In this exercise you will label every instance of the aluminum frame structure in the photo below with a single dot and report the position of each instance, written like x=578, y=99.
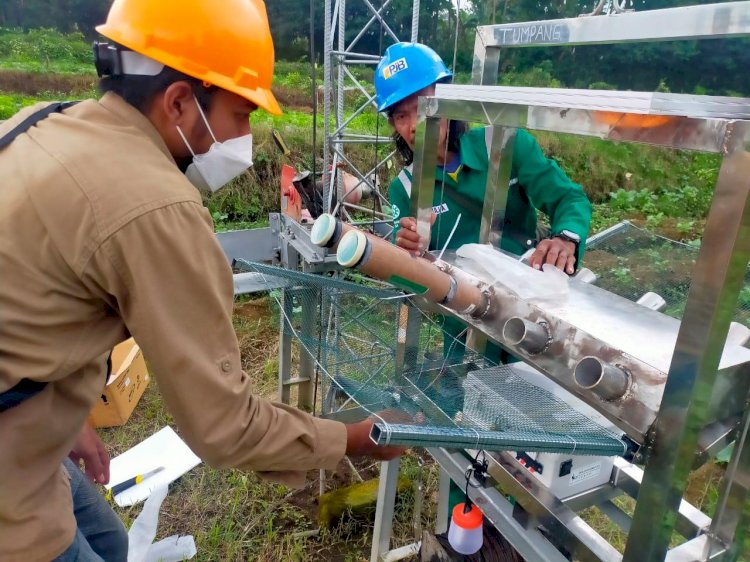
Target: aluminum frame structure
x=720, y=125
x=339, y=56
x=539, y=525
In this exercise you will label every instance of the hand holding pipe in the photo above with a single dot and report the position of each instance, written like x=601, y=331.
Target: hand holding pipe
x=382, y=260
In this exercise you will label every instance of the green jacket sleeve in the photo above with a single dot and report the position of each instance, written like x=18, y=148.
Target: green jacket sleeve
x=550, y=190
x=400, y=203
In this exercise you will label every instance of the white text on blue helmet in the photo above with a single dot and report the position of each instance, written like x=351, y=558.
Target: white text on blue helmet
x=395, y=67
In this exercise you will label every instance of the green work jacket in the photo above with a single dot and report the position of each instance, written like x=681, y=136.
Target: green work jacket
x=536, y=182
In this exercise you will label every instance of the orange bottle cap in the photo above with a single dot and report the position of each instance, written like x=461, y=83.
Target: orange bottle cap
x=470, y=520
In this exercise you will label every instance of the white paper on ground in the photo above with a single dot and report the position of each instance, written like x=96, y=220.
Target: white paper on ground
x=172, y=549
x=164, y=448
x=143, y=531
x=547, y=286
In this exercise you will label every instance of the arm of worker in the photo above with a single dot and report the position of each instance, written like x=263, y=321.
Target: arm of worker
x=168, y=276
x=551, y=191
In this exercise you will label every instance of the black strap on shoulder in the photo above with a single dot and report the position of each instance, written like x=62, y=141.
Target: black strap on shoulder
x=26, y=388
x=32, y=120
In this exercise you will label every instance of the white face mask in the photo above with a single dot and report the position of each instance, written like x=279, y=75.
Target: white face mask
x=223, y=162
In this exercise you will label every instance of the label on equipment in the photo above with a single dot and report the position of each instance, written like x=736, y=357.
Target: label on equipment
x=585, y=473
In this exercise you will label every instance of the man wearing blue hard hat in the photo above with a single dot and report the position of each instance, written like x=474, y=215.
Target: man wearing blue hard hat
x=410, y=70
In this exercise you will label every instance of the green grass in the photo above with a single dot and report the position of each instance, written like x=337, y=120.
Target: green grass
x=45, y=50
x=11, y=104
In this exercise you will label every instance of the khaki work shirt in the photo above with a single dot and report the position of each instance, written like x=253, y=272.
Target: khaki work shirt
x=101, y=236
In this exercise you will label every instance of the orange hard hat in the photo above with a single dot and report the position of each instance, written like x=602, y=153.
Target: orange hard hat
x=225, y=43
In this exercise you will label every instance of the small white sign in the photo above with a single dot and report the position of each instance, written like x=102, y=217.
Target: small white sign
x=585, y=473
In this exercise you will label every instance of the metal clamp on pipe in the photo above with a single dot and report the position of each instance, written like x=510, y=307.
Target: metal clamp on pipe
x=531, y=337
x=608, y=382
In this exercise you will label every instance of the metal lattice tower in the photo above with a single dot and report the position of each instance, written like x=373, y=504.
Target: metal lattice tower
x=338, y=58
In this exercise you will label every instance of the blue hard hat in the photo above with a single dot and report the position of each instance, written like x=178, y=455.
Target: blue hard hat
x=405, y=69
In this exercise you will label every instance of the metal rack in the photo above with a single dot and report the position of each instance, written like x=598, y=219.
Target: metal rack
x=339, y=57
x=710, y=124
x=679, y=421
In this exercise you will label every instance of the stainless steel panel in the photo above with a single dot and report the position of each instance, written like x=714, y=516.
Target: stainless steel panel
x=691, y=22
x=699, y=549
x=733, y=510
x=381, y=533
x=500, y=142
x=486, y=62
x=661, y=130
x=718, y=276
x=690, y=520
x=423, y=170
x=614, y=101
x=594, y=322
x=713, y=438
x=255, y=244
x=616, y=515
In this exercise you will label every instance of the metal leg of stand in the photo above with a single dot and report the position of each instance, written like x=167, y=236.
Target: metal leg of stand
x=285, y=349
x=381, y=535
x=310, y=319
x=444, y=488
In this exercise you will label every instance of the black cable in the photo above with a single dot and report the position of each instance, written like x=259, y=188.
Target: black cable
x=478, y=470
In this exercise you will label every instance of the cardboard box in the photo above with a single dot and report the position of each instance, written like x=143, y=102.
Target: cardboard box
x=126, y=384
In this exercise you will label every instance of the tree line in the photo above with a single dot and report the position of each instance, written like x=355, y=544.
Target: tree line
x=709, y=66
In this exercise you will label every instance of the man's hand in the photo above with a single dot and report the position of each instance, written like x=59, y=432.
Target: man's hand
x=359, y=444
x=555, y=251
x=408, y=239
x=90, y=449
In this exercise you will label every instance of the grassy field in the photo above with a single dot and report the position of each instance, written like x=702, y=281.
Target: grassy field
x=236, y=516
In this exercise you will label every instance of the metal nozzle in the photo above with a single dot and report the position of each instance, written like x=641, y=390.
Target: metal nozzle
x=531, y=337
x=609, y=382
x=653, y=301
x=585, y=275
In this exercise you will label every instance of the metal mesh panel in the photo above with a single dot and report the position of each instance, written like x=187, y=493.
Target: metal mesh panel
x=630, y=262
x=375, y=351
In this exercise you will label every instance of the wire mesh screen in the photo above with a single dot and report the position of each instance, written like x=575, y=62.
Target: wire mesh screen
x=630, y=262
x=374, y=350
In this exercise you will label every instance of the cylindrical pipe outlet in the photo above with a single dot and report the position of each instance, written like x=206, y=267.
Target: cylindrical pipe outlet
x=353, y=249
x=327, y=231
x=531, y=337
x=609, y=382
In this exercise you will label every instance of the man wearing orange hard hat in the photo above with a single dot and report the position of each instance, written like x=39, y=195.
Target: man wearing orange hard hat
x=102, y=236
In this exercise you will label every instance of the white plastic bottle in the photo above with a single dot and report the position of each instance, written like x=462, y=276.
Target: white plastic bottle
x=465, y=534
